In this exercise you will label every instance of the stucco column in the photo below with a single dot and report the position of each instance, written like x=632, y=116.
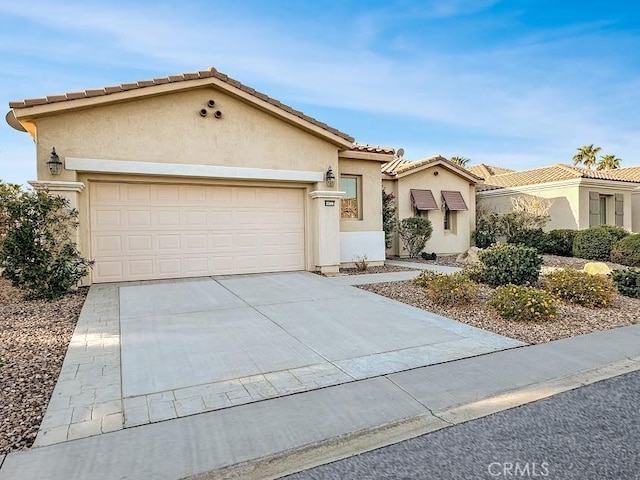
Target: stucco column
x=327, y=245
x=68, y=190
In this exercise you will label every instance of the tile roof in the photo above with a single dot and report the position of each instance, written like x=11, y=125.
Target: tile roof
x=483, y=170
x=363, y=147
x=209, y=73
x=555, y=173
x=400, y=165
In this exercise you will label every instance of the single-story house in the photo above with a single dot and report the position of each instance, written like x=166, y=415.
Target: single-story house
x=197, y=174
x=436, y=189
x=579, y=197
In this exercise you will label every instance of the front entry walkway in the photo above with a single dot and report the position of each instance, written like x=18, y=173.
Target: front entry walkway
x=196, y=345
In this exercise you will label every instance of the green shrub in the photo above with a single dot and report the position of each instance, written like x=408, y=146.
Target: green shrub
x=388, y=217
x=38, y=253
x=560, y=242
x=414, y=233
x=523, y=303
x=451, y=289
x=580, y=288
x=423, y=279
x=530, y=237
x=627, y=251
x=627, y=282
x=617, y=233
x=594, y=243
x=428, y=256
x=487, y=231
x=505, y=264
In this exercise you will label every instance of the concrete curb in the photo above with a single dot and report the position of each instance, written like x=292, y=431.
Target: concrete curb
x=330, y=450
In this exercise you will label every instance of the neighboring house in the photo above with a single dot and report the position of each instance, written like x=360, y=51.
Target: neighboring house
x=436, y=189
x=580, y=198
x=197, y=174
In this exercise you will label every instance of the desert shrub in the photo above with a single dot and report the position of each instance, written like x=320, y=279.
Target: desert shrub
x=581, y=288
x=414, y=233
x=523, y=303
x=618, y=233
x=627, y=282
x=38, y=252
x=361, y=262
x=560, y=242
x=453, y=289
x=423, y=279
x=505, y=264
x=627, y=251
x=388, y=217
x=530, y=237
x=428, y=256
x=594, y=243
x=487, y=229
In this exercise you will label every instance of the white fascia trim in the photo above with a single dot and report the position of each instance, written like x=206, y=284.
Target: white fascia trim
x=186, y=170
x=327, y=194
x=507, y=191
x=57, y=186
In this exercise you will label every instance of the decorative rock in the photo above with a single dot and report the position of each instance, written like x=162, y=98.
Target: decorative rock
x=597, y=268
x=470, y=257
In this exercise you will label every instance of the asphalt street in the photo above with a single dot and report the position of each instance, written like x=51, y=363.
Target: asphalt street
x=589, y=433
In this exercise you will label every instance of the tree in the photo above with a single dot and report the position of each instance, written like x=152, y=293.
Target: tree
x=414, y=233
x=461, y=161
x=586, y=155
x=38, y=253
x=608, y=162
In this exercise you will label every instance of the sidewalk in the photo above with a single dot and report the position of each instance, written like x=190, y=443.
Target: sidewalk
x=286, y=434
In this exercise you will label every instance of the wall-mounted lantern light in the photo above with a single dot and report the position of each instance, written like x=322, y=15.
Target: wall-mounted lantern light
x=54, y=163
x=330, y=178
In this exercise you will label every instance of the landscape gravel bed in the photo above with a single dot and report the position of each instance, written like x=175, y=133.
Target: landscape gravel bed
x=378, y=269
x=34, y=336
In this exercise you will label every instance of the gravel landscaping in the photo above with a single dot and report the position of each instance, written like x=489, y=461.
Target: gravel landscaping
x=379, y=269
x=34, y=336
x=571, y=320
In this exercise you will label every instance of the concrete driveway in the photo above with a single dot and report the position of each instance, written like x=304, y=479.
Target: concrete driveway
x=203, y=344
x=146, y=352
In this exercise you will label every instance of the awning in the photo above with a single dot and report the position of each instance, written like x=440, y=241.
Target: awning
x=423, y=200
x=453, y=200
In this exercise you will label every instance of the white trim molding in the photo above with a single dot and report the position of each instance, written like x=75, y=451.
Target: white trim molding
x=57, y=186
x=186, y=170
x=327, y=194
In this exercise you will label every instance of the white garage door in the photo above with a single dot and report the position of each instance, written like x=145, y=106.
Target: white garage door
x=150, y=231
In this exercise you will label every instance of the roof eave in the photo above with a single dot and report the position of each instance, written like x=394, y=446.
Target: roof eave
x=355, y=155
x=469, y=176
x=68, y=105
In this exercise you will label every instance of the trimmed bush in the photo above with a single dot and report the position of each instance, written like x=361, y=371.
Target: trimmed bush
x=428, y=256
x=529, y=237
x=580, y=288
x=627, y=282
x=560, y=242
x=517, y=302
x=505, y=264
x=617, y=233
x=594, y=243
x=454, y=289
x=488, y=229
x=627, y=251
x=414, y=232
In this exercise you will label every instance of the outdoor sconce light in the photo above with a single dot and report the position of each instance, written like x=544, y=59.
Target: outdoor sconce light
x=330, y=178
x=54, y=163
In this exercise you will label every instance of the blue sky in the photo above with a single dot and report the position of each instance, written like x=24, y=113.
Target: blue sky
x=513, y=83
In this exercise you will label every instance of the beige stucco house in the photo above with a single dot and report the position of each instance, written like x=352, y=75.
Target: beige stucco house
x=579, y=197
x=198, y=174
x=436, y=189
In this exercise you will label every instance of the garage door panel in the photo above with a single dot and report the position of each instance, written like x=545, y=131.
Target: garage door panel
x=168, y=231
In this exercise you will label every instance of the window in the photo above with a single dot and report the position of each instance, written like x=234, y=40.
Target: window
x=603, y=210
x=450, y=217
x=350, y=203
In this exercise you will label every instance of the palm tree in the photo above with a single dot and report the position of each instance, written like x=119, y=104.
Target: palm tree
x=608, y=162
x=461, y=161
x=586, y=155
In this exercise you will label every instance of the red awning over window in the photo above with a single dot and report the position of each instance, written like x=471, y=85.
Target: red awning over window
x=423, y=200
x=453, y=200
